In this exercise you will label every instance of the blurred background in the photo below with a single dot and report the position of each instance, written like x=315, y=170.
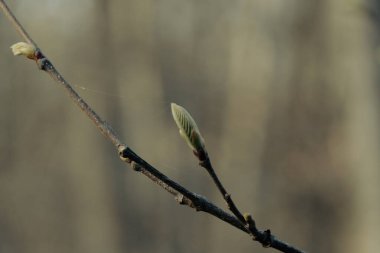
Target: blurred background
x=285, y=93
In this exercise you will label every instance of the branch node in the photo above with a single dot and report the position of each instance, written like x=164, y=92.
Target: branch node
x=38, y=54
x=250, y=225
x=135, y=166
x=42, y=63
x=267, y=240
x=202, y=157
x=123, y=153
x=180, y=199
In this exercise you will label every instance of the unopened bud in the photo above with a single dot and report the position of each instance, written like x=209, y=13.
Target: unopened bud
x=25, y=49
x=188, y=129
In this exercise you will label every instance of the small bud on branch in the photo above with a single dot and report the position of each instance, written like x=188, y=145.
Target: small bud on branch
x=188, y=129
x=25, y=49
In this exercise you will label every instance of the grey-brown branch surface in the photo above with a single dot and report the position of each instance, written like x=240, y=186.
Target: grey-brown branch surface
x=181, y=194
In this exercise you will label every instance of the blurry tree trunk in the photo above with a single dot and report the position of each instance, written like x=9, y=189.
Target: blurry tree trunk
x=304, y=88
x=355, y=60
x=143, y=122
x=286, y=89
x=97, y=224
x=303, y=165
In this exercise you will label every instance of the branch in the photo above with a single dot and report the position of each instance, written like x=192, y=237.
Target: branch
x=265, y=238
x=182, y=195
x=189, y=131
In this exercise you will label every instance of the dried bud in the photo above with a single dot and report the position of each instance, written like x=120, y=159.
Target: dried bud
x=247, y=217
x=251, y=224
x=188, y=129
x=25, y=49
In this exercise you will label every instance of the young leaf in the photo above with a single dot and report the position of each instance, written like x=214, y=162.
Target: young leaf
x=188, y=129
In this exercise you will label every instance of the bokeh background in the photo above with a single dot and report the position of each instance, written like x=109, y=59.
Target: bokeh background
x=285, y=93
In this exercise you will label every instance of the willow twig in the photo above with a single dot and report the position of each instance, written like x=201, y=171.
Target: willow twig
x=182, y=195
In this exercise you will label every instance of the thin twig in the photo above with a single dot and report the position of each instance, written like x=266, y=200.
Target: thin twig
x=19, y=28
x=182, y=195
x=265, y=238
x=226, y=196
